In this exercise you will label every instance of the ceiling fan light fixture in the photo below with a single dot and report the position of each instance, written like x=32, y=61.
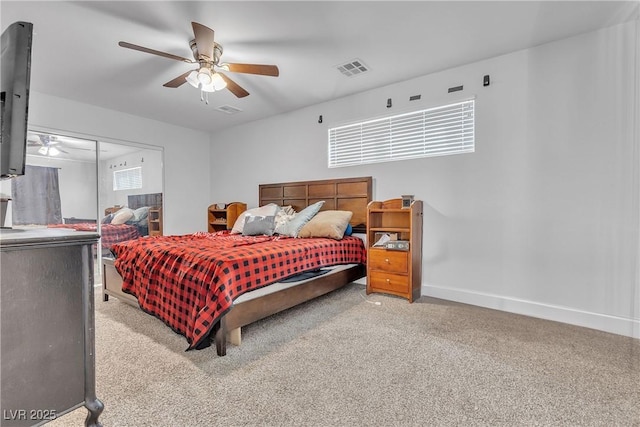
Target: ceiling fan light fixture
x=43, y=151
x=218, y=82
x=204, y=76
x=53, y=151
x=192, y=79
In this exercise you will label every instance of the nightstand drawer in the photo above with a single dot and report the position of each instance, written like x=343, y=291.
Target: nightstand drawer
x=393, y=261
x=389, y=282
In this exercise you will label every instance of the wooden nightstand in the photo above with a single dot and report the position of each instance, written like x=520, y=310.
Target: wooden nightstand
x=395, y=271
x=219, y=219
x=155, y=221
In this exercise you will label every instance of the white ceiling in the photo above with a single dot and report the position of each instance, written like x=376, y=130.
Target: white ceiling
x=76, y=53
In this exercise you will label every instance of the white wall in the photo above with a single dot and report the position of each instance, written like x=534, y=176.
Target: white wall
x=151, y=163
x=542, y=219
x=186, y=168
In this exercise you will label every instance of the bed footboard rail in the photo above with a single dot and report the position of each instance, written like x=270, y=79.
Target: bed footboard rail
x=252, y=310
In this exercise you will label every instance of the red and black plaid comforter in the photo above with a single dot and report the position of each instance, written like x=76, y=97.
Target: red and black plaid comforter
x=109, y=233
x=190, y=281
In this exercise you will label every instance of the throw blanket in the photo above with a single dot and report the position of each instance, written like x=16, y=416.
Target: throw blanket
x=190, y=281
x=109, y=233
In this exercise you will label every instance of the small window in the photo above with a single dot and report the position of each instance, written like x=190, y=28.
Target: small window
x=127, y=179
x=448, y=129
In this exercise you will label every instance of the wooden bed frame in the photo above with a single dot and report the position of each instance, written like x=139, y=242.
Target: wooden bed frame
x=352, y=194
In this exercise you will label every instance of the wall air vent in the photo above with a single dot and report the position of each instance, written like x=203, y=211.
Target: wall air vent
x=353, y=68
x=228, y=109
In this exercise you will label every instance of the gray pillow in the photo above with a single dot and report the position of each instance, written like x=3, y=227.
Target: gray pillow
x=107, y=219
x=255, y=225
x=141, y=213
x=140, y=217
x=293, y=226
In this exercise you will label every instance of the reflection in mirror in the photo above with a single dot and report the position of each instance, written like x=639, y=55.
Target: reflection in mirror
x=59, y=184
x=64, y=186
x=130, y=189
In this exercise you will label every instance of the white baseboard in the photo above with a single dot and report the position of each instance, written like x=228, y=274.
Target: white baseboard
x=602, y=322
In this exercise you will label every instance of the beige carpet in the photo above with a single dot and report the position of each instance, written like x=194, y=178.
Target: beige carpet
x=343, y=361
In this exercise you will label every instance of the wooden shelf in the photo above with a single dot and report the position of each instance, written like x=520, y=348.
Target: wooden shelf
x=223, y=219
x=155, y=221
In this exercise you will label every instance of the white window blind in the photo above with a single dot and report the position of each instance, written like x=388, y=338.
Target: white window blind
x=437, y=131
x=127, y=179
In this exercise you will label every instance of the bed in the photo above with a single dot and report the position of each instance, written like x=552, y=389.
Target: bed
x=206, y=286
x=110, y=233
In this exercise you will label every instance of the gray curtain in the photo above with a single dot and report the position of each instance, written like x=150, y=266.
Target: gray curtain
x=36, y=197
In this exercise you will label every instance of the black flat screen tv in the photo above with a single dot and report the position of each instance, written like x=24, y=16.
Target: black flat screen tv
x=14, y=92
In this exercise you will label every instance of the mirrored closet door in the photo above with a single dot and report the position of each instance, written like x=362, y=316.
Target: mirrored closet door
x=113, y=188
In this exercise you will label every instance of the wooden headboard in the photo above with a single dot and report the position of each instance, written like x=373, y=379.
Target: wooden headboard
x=348, y=194
x=136, y=201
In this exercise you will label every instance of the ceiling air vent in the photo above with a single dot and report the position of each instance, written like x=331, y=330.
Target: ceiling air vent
x=353, y=68
x=228, y=109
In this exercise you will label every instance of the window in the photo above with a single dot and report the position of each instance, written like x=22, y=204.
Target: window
x=437, y=131
x=127, y=179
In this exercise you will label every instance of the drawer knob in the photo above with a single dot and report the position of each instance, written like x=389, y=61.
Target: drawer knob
x=386, y=260
x=388, y=281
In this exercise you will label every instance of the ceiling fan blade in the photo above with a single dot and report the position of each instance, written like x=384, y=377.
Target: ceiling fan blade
x=204, y=40
x=178, y=81
x=264, y=70
x=79, y=148
x=62, y=151
x=234, y=87
x=154, y=52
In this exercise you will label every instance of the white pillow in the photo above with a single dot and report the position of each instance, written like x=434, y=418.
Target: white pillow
x=266, y=210
x=122, y=216
x=284, y=215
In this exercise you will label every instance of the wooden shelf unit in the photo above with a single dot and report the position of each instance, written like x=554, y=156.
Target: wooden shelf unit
x=223, y=219
x=389, y=271
x=155, y=221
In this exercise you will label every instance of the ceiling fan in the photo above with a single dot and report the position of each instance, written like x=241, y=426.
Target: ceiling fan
x=208, y=77
x=50, y=145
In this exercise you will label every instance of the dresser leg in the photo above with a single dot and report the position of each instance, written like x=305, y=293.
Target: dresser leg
x=95, y=408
